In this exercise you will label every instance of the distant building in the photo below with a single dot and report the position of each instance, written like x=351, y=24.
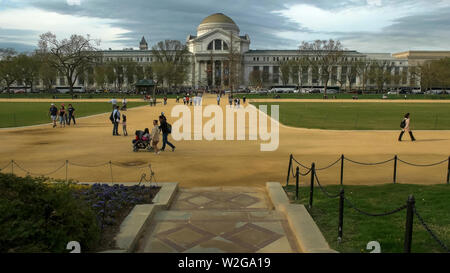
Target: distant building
x=210, y=54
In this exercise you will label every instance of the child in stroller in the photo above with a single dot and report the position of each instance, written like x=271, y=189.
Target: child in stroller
x=142, y=140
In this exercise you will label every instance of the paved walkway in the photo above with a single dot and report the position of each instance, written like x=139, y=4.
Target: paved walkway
x=217, y=220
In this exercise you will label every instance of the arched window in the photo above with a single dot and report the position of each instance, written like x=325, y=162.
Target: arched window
x=217, y=45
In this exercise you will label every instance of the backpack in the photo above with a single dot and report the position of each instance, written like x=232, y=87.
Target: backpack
x=111, y=118
x=403, y=124
x=169, y=128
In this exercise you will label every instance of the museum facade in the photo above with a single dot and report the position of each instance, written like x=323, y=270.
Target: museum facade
x=218, y=41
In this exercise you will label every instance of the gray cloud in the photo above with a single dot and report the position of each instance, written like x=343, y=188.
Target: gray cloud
x=175, y=19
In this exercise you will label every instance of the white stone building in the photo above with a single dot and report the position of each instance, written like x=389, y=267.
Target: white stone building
x=218, y=33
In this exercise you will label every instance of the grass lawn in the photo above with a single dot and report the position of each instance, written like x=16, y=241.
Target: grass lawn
x=14, y=114
x=79, y=95
x=432, y=203
x=362, y=116
x=346, y=96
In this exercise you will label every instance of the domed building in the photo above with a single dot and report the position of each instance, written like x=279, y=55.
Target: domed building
x=217, y=51
x=220, y=58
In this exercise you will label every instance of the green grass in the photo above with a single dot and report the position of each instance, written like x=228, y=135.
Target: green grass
x=14, y=114
x=362, y=116
x=346, y=96
x=82, y=96
x=432, y=203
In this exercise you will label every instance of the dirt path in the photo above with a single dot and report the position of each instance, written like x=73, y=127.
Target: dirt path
x=42, y=149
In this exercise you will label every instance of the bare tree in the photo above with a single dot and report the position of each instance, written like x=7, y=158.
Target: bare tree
x=172, y=62
x=285, y=69
x=256, y=78
x=234, y=59
x=69, y=56
x=324, y=55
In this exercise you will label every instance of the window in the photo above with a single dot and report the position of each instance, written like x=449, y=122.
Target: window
x=210, y=46
x=218, y=44
x=225, y=46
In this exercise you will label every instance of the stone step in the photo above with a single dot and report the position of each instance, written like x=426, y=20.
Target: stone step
x=215, y=215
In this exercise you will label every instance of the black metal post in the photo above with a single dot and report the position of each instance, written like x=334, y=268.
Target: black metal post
x=297, y=175
x=289, y=170
x=448, y=171
x=12, y=166
x=342, y=170
x=341, y=215
x=395, y=169
x=311, y=190
x=409, y=223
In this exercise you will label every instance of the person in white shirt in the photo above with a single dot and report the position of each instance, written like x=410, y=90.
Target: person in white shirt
x=113, y=101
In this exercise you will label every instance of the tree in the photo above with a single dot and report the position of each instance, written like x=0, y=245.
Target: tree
x=285, y=69
x=100, y=75
x=29, y=67
x=48, y=74
x=363, y=70
x=234, y=59
x=9, y=71
x=69, y=56
x=380, y=73
x=172, y=62
x=324, y=56
x=255, y=78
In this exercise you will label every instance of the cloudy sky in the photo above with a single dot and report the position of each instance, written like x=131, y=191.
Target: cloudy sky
x=363, y=25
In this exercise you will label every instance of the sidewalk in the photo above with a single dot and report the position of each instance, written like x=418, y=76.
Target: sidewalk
x=218, y=220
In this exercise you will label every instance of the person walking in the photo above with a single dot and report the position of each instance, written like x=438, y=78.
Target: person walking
x=113, y=101
x=71, y=111
x=53, y=111
x=124, y=125
x=218, y=99
x=115, y=119
x=165, y=100
x=124, y=104
x=62, y=116
x=405, y=125
x=166, y=129
x=243, y=99
x=155, y=136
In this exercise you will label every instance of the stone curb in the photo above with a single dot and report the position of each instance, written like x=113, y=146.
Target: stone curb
x=134, y=224
x=305, y=230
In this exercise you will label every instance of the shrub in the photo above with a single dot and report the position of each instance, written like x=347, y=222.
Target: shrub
x=36, y=217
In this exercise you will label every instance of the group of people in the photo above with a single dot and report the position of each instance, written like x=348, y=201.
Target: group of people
x=163, y=128
x=231, y=100
x=115, y=118
x=65, y=115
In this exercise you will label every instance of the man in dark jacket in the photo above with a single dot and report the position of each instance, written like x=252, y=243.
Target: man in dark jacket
x=164, y=127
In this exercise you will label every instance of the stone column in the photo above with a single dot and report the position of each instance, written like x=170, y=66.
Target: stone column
x=221, y=75
x=213, y=66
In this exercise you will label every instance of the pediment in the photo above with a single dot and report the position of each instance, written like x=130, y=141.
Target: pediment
x=224, y=35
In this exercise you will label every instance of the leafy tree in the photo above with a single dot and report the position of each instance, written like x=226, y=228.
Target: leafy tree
x=10, y=71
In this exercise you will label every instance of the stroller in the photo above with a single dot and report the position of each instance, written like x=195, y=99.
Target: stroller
x=141, y=143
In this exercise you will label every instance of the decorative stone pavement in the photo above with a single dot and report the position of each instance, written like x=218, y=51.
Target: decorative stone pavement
x=217, y=220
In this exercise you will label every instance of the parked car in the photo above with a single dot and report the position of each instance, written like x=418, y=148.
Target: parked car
x=392, y=92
